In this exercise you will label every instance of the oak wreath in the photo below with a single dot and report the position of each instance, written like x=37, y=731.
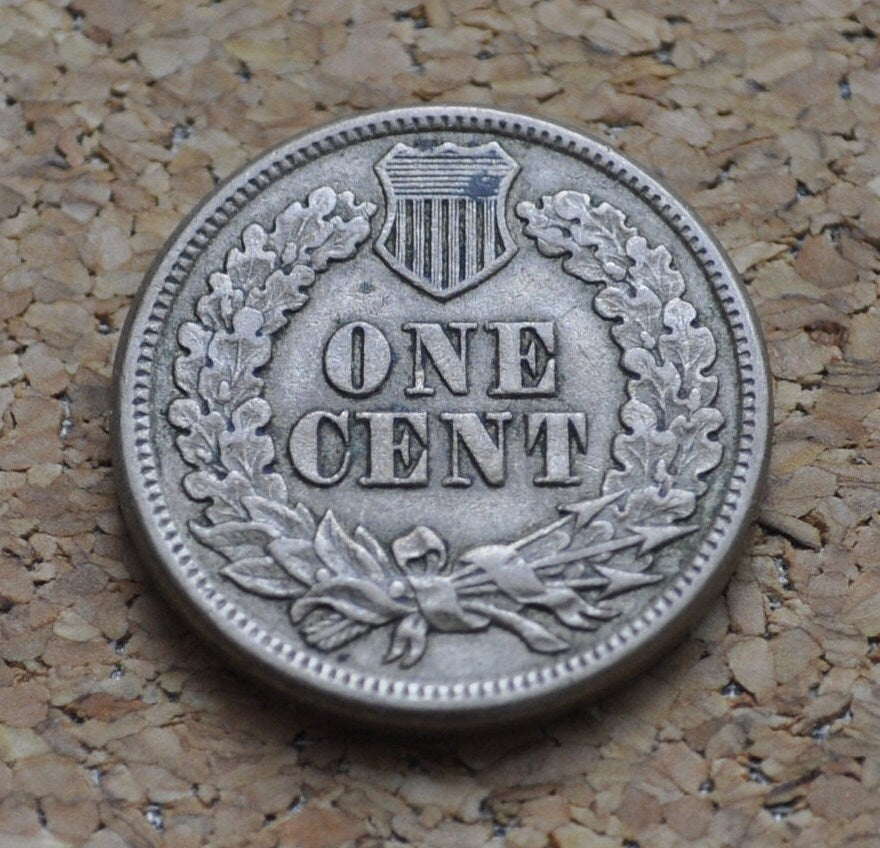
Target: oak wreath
x=339, y=584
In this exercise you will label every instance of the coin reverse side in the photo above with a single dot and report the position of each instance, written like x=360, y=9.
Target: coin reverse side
x=440, y=417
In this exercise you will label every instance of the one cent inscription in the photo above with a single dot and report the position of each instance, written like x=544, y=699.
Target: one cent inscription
x=437, y=421
x=395, y=445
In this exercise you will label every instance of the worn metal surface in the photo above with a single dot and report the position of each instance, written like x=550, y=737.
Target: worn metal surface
x=441, y=416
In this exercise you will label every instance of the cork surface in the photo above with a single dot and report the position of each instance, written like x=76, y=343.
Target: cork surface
x=118, y=728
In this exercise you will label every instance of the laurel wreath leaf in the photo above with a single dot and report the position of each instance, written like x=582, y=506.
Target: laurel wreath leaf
x=340, y=586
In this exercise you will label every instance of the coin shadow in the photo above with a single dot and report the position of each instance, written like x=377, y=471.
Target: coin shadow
x=251, y=717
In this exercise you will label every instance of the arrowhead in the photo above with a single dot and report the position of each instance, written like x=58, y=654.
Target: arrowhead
x=585, y=511
x=624, y=581
x=656, y=537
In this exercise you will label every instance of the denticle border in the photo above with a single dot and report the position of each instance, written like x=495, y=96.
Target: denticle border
x=429, y=119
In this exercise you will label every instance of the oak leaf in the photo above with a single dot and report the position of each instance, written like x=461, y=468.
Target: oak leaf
x=199, y=445
x=194, y=339
x=248, y=267
x=297, y=523
x=343, y=555
x=235, y=539
x=262, y=576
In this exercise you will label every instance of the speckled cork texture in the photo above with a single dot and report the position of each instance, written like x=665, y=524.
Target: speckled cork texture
x=119, y=728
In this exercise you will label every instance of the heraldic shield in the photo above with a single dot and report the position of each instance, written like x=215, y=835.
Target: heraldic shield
x=445, y=229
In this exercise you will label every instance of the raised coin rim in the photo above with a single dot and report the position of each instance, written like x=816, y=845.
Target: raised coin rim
x=372, y=698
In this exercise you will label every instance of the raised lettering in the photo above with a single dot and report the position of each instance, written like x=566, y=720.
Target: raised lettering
x=306, y=448
x=525, y=362
x=488, y=455
x=357, y=359
x=431, y=342
x=398, y=453
x=560, y=432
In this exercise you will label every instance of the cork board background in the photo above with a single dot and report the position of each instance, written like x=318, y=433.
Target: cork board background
x=117, y=728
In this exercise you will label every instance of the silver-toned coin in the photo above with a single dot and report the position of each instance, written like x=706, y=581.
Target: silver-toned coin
x=440, y=417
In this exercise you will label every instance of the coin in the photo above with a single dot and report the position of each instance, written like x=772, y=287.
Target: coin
x=441, y=417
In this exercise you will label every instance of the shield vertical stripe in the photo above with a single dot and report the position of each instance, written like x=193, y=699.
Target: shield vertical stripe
x=419, y=233
x=453, y=266
x=436, y=248
x=470, y=214
x=488, y=232
x=401, y=231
